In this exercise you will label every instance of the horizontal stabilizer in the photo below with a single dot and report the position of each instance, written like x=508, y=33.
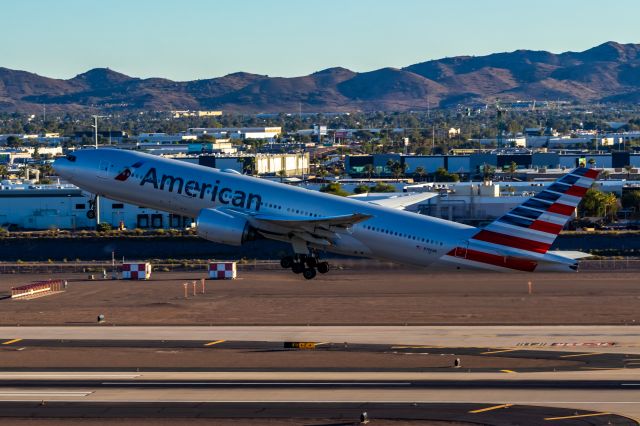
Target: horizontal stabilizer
x=570, y=254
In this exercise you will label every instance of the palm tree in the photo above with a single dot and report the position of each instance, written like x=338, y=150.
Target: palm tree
x=282, y=173
x=592, y=162
x=368, y=170
x=420, y=172
x=322, y=172
x=512, y=169
x=628, y=169
x=487, y=171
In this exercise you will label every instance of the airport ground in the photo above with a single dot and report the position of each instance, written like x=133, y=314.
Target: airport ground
x=568, y=353
x=341, y=297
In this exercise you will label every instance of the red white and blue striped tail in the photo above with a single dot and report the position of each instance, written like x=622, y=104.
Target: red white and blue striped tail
x=534, y=225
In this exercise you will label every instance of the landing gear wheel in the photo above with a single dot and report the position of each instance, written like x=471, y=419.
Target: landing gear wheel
x=323, y=267
x=286, y=262
x=91, y=214
x=309, y=273
x=297, y=268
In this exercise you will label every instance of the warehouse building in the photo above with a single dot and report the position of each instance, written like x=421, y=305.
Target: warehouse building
x=35, y=207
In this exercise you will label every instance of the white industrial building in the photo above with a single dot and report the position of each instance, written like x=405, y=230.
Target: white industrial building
x=64, y=206
x=295, y=164
x=165, y=138
x=260, y=133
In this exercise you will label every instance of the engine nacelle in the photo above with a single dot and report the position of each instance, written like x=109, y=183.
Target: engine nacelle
x=220, y=227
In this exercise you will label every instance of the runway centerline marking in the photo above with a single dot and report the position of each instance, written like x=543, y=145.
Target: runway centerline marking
x=577, y=355
x=508, y=371
x=215, y=342
x=495, y=407
x=578, y=416
x=499, y=351
x=8, y=342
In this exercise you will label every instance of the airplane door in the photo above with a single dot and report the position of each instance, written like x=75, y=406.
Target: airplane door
x=461, y=249
x=104, y=169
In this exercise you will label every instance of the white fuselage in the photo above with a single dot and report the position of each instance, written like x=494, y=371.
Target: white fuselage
x=186, y=189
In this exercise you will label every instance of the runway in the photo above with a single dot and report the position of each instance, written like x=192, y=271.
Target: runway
x=457, y=394
x=605, y=338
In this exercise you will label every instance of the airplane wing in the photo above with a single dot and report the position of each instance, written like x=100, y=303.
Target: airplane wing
x=320, y=222
x=321, y=230
x=395, y=200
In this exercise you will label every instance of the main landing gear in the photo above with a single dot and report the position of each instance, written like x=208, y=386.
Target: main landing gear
x=304, y=264
x=91, y=213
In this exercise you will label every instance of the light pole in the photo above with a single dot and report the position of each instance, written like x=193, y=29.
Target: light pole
x=97, y=198
x=95, y=127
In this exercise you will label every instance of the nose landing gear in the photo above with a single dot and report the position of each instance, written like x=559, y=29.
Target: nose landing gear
x=307, y=265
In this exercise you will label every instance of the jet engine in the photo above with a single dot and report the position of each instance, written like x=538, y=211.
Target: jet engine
x=221, y=227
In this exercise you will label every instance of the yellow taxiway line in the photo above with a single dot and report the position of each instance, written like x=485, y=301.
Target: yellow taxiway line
x=495, y=407
x=215, y=342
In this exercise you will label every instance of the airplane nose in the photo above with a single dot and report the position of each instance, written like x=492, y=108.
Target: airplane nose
x=65, y=166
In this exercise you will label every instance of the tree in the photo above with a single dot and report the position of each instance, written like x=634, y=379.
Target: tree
x=442, y=175
x=334, y=188
x=420, y=172
x=361, y=189
x=383, y=187
x=631, y=200
x=628, y=169
x=487, y=172
x=4, y=171
x=322, y=172
x=512, y=169
x=396, y=168
x=368, y=170
x=14, y=142
x=592, y=162
x=598, y=204
x=283, y=174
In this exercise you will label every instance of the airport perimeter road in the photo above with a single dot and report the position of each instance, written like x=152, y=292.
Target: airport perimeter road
x=606, y=338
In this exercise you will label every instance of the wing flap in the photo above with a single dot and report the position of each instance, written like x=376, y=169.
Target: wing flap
x=326, y=222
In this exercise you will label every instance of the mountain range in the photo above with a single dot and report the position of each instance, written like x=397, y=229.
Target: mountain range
x=609, y=72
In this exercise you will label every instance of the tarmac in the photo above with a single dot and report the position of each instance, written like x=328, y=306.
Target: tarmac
x=404, y=345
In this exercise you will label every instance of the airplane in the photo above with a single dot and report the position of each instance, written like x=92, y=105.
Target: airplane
x=232, y=208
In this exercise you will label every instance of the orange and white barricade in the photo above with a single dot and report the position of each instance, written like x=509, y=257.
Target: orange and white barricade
x=222, y=270
x=136, y=271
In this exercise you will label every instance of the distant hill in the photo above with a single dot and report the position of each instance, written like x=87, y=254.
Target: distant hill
x=606, y=73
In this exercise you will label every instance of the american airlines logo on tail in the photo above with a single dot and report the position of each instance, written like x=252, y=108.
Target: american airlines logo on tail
x=126, y=173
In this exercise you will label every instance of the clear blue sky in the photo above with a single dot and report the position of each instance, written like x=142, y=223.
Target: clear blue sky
x=189, y=39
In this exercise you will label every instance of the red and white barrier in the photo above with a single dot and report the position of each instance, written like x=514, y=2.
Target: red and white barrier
x=40, y=288
x=136, y=271
x=222, y=270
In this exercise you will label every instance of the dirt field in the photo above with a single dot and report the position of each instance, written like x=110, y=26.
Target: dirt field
x=339, y=297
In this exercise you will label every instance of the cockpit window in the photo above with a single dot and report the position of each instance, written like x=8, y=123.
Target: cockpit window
x=71, y=157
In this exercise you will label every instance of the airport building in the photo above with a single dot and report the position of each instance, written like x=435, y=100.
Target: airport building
x=35, y=207
x=296, y=164
x=242, y=133
x=358, y=165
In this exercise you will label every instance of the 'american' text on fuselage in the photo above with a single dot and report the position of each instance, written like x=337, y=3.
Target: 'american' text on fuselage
x=193, y=188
